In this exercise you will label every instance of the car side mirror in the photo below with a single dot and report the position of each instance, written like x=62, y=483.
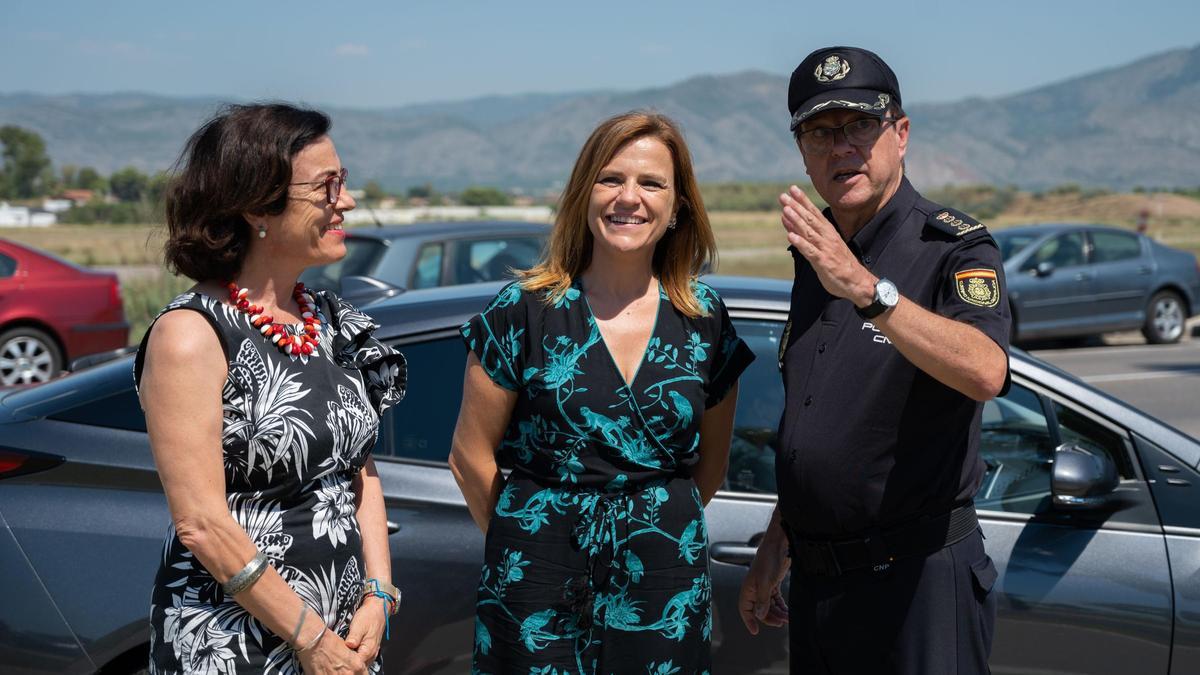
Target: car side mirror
x=1081, y=478
x=1044, y=269
x=360, y=290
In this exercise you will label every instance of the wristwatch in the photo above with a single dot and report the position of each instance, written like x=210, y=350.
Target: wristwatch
x=374, y=586
x=886, y=297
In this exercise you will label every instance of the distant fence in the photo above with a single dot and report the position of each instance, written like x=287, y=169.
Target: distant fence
x=363, y=215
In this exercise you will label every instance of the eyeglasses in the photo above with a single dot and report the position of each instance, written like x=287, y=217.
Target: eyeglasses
x=333, y=185
x=861, y=132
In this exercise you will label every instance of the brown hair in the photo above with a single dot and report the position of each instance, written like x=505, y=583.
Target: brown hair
x=679, y=256
x=240, y=161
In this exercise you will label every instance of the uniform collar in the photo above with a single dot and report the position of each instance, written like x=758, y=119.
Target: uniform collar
x=867, y=243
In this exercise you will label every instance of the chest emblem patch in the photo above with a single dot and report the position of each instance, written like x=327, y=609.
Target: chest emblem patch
x=978, y=287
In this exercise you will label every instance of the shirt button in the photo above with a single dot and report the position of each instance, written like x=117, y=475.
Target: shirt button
x=807, y=401
x=867, y=259
x=821, y=348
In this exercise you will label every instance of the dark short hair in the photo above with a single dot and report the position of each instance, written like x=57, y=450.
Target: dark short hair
x=240, y=161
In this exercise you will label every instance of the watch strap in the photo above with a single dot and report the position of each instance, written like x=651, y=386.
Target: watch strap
x=877, y=305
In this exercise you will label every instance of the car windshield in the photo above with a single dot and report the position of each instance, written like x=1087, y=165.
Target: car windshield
x=361, y=255
x=1012, y=243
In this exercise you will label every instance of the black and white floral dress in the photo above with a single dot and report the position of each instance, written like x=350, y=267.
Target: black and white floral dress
x=295, y=434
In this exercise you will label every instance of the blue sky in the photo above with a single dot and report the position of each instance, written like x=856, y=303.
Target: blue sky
x=374, y=54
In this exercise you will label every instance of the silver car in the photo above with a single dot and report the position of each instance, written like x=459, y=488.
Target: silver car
x=1090, y=508
x=1080, y=280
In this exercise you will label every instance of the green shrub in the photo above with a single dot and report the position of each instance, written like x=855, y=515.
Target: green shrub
x=145, y=297
x=750, y=196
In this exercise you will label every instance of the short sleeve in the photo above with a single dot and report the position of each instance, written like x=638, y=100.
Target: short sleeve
x=732, y=354
x=384, y=370
x=973, y=291
x=496, y=337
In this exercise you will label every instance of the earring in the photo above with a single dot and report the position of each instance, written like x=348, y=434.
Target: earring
x=671, y=225
x=262, y=231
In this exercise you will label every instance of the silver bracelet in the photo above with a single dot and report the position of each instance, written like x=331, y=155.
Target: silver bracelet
x=313, y=642
x=300, y=623
x=247, y=576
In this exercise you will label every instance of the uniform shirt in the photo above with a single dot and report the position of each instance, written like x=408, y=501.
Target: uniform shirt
x=867, y=439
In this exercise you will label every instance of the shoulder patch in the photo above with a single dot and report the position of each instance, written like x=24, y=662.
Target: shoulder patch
x=978, y=286
x=955, y=223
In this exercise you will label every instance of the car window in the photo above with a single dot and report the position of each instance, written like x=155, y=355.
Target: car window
x=7, y=266
x=1011, y=244
x=429, y=267
x=1114, y=246
x=1078, y=429
x=760, y=402
x=1017, y=445
x=1064, y=250
x=493, y=259
x=361, y=256
x=421, y=426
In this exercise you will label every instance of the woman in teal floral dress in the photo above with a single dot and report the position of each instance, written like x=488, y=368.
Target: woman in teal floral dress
x=606, y=380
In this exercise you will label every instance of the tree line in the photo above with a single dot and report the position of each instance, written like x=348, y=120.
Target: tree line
x=125, y=196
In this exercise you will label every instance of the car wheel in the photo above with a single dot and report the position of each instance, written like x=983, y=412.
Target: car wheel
x=1164, y=318
x=28, y=356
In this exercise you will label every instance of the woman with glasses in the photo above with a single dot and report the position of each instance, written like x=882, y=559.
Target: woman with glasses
x=606, y=379
x=262, y=402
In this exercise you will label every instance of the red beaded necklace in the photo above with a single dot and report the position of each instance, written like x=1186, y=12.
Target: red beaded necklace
x=301, y=344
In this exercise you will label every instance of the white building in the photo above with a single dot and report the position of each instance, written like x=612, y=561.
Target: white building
x=23, y=216
x=56, y=205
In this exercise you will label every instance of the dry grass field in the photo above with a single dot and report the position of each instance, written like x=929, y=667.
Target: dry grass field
x=750, y=243
x=95, y=245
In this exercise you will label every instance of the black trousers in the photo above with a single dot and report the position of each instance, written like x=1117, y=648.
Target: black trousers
x=923, y=616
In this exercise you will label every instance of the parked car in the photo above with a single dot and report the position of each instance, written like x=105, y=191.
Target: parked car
x=1091, y=511
x=427, y=255
x=53, y=311
x=1080, y=280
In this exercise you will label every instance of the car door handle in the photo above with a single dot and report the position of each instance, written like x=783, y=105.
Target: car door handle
x=1082, y=276
x=1145, y=270
x=393, y=527
x=732, y=553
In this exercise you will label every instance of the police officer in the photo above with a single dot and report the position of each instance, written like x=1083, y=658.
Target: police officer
x=898, y=332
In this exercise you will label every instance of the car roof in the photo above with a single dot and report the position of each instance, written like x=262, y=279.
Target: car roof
x=29, y=255
x=448, y=229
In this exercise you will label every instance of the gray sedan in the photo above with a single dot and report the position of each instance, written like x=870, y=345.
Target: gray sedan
x=1079, y=280
x=382, y=260
x=1090, y=509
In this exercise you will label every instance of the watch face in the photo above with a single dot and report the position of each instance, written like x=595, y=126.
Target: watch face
x=888, y=294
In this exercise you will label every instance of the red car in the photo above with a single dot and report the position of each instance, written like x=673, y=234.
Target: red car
x=52, y=311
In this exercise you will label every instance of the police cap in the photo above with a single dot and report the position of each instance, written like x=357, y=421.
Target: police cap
x=841, y=77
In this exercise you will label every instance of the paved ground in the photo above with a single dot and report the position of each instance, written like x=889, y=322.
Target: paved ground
x=1163, y=380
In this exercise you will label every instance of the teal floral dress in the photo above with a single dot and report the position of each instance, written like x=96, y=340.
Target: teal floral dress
x=596, y=559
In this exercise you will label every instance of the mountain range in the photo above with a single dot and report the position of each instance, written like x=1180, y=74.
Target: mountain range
x=1132, y=125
